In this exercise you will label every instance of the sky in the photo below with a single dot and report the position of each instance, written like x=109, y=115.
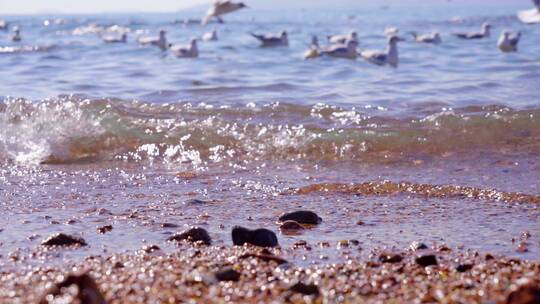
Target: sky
x=8, y=7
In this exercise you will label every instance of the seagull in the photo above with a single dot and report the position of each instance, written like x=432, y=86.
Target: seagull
x=434, y=38
x=486, y=31
x=390, y=56
x=508, y=43
x=313, y=51
x=115, y=39
x=270, y=40
x=347, y=50
x=3, y=25
x=160, y=41
x=532, y=15
x=221, y=7
x=343, y=38
x=16, y=37
x=391, y=31
x=210, y=36
x=186, y=51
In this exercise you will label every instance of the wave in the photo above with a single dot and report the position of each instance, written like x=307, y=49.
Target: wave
x=71, y=129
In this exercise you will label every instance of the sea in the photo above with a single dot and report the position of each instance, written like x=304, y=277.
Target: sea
x=445, y=148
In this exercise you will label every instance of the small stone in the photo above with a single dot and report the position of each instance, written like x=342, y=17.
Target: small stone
x=522, y=247
x=464, y=267
x=87, y=291
x=196, y=202
x=489, y=257
x=291, y=225
x=308, y=290
x=524, y=295
x=302, y=217
x=151, y=248
x=425, y=260
x=360, y=223
x=228, y=274
x=61, y=239
x=415, y=246
x=387, y=257
x=259, y=237
x=104, y=229
x=192, y=235
x=169, y=225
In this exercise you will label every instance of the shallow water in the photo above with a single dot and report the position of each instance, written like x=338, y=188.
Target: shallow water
x=96, y=132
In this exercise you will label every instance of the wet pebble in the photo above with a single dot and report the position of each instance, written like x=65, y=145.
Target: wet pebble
x=414, y=246
x=196, y=202
x=291, y=225
x=228, y=274
x=86, y=292
x=302, y=217
x=259, y=237
x=524, y=295
x=308, y=290
x=464, y=267
x=425, y=260
x=193, y=235
x=61, y=239
x=169, y=225
x=388, y=257
x=104, y=229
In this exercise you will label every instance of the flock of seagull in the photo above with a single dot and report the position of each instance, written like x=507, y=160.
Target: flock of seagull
x=340, y=46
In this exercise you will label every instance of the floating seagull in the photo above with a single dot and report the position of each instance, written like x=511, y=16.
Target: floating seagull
x=221, y=7
x=343, y=38
x=390, y=56
x=347, y=50
x=508, y=43
x=115, y=39
x=16, y=37
x=434, y=38
x=270, y=40
x=313, y=51
x=3, y=25
x=486, y=31
x=186, y=51
x=391, y=31
x=210, y=36
x=532, y=15
x=160, y=41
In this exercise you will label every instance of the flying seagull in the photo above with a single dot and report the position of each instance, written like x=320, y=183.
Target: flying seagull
x=220, y=8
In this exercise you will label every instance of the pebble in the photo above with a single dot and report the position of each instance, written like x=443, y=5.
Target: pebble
x=302, y=217
x=61, y=239
x=259, y=237
x=193, y=235
x=228, y=274
x=524, y=295
x=87, y=291
x=387, y=257
x=291, y=225
x=425, y=260
x=308, y=290
x=415, y=246
x=464, y=267
x=195, y=202
x=104, y=229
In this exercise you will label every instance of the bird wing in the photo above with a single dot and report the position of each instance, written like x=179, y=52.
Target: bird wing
x=375, y=57
x=461, y=35
x=259, y=37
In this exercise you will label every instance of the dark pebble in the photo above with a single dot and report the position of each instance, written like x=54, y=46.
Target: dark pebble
x=61, y=239
x=425, y=260
x=151, y=248
x=390, y=258
x=104, y=229
x=195, y=202
x=308, y=290
x=192, y=235
x=259, y=237
x=87, y=291
x=228, y=274
x=464, y=267
x=414, y=246
x=302, y=217
x=524, y=295
x=169, y=225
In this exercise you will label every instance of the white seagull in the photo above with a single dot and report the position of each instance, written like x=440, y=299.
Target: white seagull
x=391, y=31
x=313, y=51
x=434, y=38
x=271, y=40
x=186, y=51
x=507, y=42
x=347, y=50
x=485, y=33
x=160, y=41
x=221, y=7
x=210, y=36
x=343, y=38
x=16, y=37
x=3, y=25
x=389, y=56
x=532, y=15
x=115, y=39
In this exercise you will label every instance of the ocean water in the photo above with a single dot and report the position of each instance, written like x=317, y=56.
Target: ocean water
x=87, y=126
